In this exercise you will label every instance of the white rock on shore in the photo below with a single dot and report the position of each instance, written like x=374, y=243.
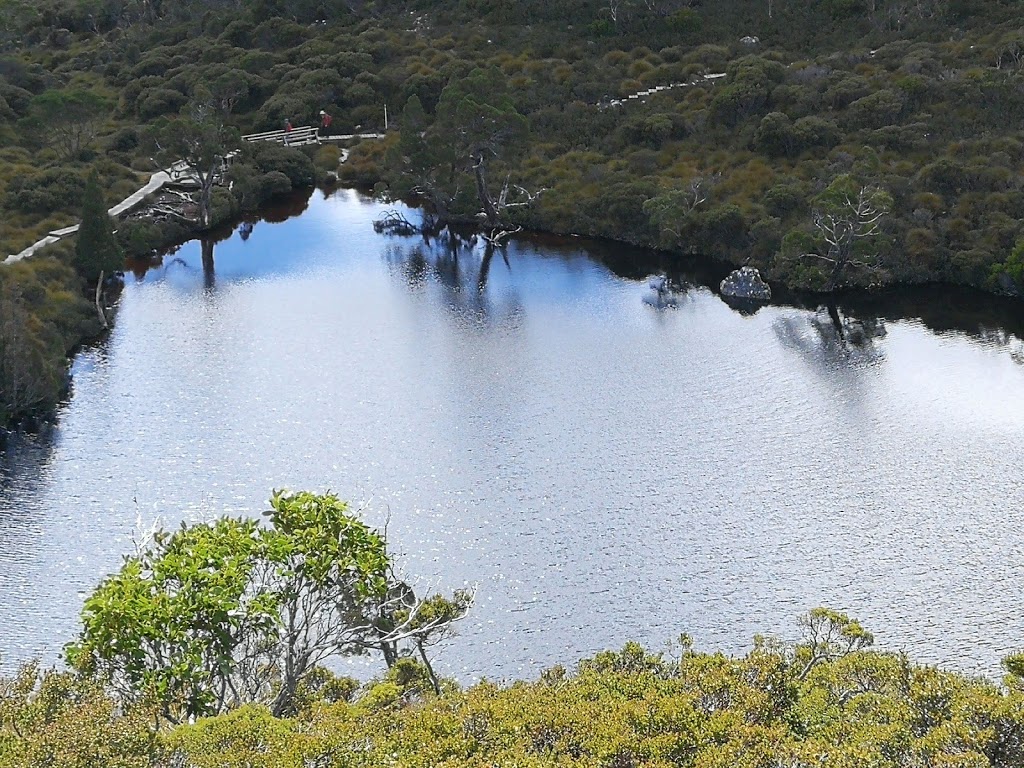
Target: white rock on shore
x=746, y=283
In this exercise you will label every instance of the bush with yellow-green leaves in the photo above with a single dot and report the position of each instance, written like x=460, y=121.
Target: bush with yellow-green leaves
x=830, y=701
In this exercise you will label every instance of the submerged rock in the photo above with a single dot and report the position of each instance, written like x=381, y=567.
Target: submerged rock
x=746, y=283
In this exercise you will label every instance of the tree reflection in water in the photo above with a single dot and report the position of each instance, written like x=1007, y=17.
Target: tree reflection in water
x=462, y=266
x=1003, y=339
x=209, y=274
x=831, y=338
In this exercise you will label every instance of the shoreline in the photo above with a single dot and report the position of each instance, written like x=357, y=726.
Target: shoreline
x=921, y=301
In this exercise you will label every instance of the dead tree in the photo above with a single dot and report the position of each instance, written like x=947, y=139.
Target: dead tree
x=848, y=214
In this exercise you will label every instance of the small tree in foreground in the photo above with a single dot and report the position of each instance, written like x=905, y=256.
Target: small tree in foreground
x=222, y=614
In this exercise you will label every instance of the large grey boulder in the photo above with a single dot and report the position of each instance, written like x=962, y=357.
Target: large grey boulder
x=746, y=283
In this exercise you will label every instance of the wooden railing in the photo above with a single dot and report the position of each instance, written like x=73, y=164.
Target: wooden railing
x=305, y=134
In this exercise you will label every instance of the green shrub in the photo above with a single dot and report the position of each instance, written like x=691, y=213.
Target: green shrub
x=274, y=184
x=292, y=162
x=327, y=157
x=160, y=101
x=51, y=190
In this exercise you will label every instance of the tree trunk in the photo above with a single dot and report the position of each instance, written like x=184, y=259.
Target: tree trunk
x=99, y=302
x=206, y=205
x=430, y=670
x=833, y=278
x=206, y=194
x=841, y=254
x=390, y=653
x=482, y=193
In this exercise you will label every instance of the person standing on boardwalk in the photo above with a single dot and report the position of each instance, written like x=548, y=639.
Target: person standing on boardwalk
x=325, y=124
x=287, y=131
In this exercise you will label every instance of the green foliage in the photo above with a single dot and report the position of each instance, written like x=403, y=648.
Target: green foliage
x=853, y=706
x=46, y=191
x=156, y=102
x=42, y=316
x=290, y=161
x=632, y=708
x=1013, y=266
x=327, y=158
x=775, y=135
x=57, y=718
x=251, y=188
x=274, y=184
x=69, y=119
x=216, y=615
x=97, y=251
x=201, y=139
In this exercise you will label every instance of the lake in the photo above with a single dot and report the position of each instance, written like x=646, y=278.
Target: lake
x=603, y=462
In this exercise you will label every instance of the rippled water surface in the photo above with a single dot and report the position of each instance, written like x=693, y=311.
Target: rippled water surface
x=603, y=467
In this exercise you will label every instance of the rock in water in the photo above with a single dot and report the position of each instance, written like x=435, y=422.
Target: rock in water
x=746, y=283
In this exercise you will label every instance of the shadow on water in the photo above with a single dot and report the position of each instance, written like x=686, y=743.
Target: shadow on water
x=462, y=265
x=987, y=318
x=830, y=338
x=945, y=310
x=24, y=459
x=853, y=319
x=22, y=456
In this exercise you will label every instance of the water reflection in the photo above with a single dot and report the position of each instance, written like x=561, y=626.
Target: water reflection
x=24, y=547
x=990, y=320
x=832, y=338
x=521, y=419
x=209, y=275
x=267, y=253
x=461, y=266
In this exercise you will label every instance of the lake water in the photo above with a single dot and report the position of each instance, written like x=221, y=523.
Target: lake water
x=603, y=465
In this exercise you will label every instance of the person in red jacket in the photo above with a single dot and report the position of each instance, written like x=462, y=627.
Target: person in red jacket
x=325, y=124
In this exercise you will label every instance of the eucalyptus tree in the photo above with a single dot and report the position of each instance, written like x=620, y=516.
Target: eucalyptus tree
x=845, y=215
x=198, y=142
x=447, y=160
x=67, y=119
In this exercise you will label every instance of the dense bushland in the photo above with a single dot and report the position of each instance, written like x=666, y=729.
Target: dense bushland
x=921, y=101
x=916, y=106
x=827, y=701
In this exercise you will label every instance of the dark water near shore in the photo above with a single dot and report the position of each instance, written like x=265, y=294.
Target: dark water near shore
x=603, y=466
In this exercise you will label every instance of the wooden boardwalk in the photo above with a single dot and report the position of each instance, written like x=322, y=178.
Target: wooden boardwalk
x=176, y=173
x=179, y=173
x=641, y=95
x=306, y=134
